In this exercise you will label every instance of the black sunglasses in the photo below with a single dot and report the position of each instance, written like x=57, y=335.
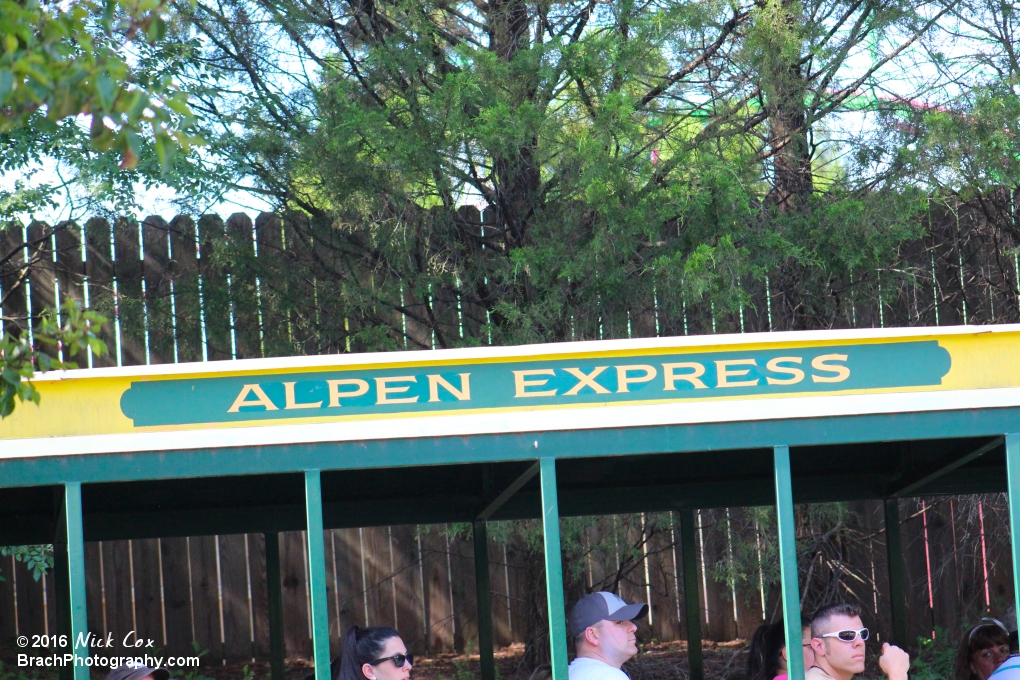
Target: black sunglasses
x=397, y=659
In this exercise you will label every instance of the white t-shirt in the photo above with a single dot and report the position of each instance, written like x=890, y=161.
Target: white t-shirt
x=1009, y=670
x=585, y=668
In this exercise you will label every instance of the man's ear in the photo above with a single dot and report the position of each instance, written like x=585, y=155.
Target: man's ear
x=818, y=646
x=591, y=635
x=368, y=671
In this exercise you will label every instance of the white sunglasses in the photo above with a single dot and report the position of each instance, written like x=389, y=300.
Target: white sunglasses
x=849, y=635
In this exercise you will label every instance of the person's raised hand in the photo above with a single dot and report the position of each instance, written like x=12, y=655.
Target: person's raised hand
x=894, y=662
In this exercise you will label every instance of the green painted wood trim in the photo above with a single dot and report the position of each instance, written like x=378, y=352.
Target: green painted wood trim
x=275, y=588
x=553, y=569
x=480, y=538
x=76, y=577
x=897, y=578
x=935, y=470
x=317, y=574
x=505, y=447
x=1013, y=475
x=788, y=560
x=692, y=604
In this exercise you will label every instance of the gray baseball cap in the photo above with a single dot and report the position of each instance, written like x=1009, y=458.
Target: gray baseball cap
x=602, y=606
x=132, y=672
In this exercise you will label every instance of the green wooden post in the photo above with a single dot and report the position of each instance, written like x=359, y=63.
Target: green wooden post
x=480, y=537
x=1013, y=493
x=317, y=574
x=692, y=607
x=76, y=577
x=788, y=559
x=275, y=588
x=553, y=569
x=897, y=580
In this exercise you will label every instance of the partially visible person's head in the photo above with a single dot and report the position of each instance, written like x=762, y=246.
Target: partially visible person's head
x=982, y=649
x=373, y=654
x=837, y=640
x=767, y=656
x=136, y=672
x=542, y=672
x=602, y=627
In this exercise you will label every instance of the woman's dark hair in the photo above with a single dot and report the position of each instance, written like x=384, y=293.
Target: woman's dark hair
x=989, y=633
x=360, y=646
x=765, y=655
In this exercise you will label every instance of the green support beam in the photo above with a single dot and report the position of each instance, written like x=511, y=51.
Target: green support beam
x=692, y=607
x=940, y=468
x=76, y=577
x=897, y=579
x=386, y=453
x=788, y=559
x=553, y=570
x=1013, y=475
x=275, y=588
x=317, y=574
x=480, y=537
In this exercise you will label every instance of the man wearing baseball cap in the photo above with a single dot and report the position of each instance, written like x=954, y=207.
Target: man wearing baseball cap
x=602, y=627
x=132, y=672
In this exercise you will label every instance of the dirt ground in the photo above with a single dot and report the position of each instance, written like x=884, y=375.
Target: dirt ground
x=657, y=661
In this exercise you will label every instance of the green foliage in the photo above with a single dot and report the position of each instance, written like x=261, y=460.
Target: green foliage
x=72, y=330
x=58, y=62
x=16, y=673
x=935, y=657
x=37, y=558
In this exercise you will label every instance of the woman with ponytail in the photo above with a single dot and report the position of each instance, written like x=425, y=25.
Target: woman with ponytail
x=767, y=656
x=373, y=654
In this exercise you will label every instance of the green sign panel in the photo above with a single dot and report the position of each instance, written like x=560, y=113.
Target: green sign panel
x=540, y=383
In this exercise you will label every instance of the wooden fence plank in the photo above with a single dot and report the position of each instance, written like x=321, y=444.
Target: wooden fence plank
x=348, y=564
x=295, y=594
x=234, y=576
x=259, y=593
x=128, y=270
x=12, y=290
x=42, y=272
x=30, y=601
x=100, y=272
x=242, y=289
x=71, y=272
x=405, y=579
x=156, y=277
x=177, y=595
x=94, y=591
x=215, y=293
x=148, y=595
x=117, y=577
x=8, y=613
x=205, y=596
x=184, y=274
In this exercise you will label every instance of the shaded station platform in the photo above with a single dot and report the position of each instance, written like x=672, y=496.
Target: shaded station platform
x=509, y=433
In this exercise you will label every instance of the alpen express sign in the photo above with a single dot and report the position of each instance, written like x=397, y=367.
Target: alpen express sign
x=509, y=384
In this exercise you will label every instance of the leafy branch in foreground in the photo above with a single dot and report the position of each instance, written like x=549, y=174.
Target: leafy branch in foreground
x=37, y=558
x=72, y=331
x=59, y=62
